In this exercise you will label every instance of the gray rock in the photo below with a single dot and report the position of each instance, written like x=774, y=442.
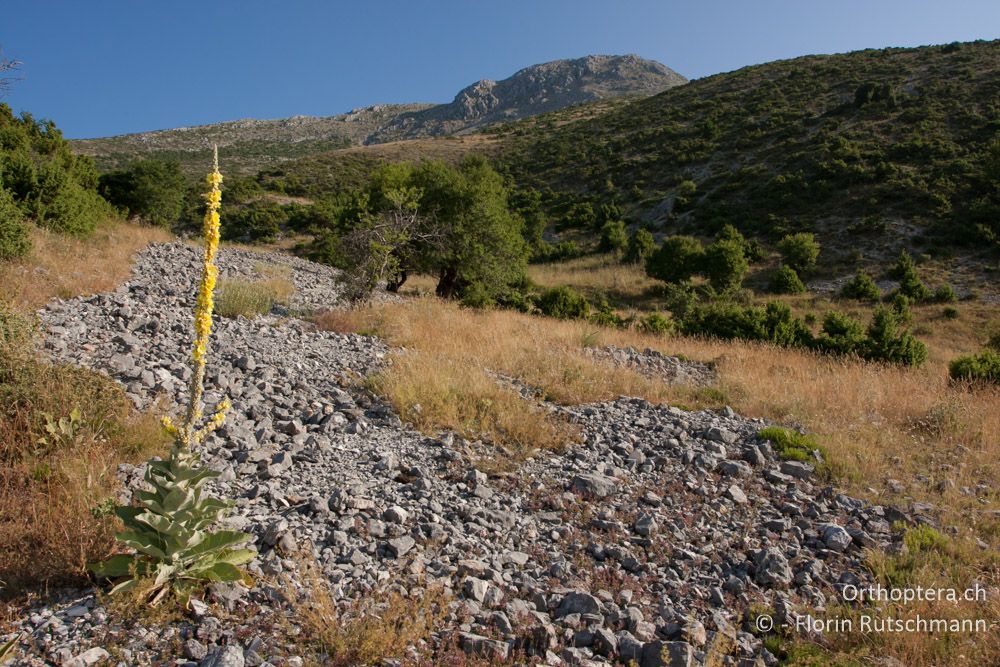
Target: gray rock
x=666, y=654
x=226, y=656
x=597, y=486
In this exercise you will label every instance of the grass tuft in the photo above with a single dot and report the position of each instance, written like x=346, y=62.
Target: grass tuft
x=250, y=298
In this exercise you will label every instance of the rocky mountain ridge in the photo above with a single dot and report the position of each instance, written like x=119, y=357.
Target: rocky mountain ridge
x=251, y=144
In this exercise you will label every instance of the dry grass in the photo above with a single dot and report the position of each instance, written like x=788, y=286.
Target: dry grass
x=877, y=422
x=382, y=625
x=64, y=267
x=249, y=298
x=48, y=491
x=599, y=276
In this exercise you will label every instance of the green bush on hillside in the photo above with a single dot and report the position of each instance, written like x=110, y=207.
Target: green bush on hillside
x=640, y=246
x=886, y=342
x=725, y=264
x=786, y=281
x=564, y=303
x=614, y=238
x=656, y=324
x=799, y=251
x=841, y=334
x=14, y=241
x=152, y=190
x=676, y=260
x=45, y=179
x=980, y=368
x=861, y=287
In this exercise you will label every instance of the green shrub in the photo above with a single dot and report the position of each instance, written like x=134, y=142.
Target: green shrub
x=950, y=312
x=980, y=368
x=885, y=341
x=676, y=260
x=726, y=320
x=904, y=265
x=655, y=323
x=786, y=281
x=640, y=246
x=911, y=287
x=259, y=222
x=605, y=316
x=901, y=307
x=725, y=265
x=14, y=240
x=861, y=287
x=45, y=179
x=152, y=190
x=614, y=238
x=945, y=294
x=841, y=334
x=564, y=303
x=799, y=251
x=556, y=252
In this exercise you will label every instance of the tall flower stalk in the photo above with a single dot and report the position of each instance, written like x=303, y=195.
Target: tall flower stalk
x=167, y=526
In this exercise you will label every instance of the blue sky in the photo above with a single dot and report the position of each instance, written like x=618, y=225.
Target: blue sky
x=101, y=67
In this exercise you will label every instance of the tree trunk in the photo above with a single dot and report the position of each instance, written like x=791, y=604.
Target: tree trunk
x=447, y=282
x=393, y=284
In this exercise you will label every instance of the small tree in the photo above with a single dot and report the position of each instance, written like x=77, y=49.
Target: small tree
x=676, y=260
x=725, y=265
x=14, y=240
x=614, y=238
x=786, y=281
x=886, y=342
x=861, y=287
x=564, y=303
x=152, y=190
x=799, y=251
x=640, y=246
x=841, y=334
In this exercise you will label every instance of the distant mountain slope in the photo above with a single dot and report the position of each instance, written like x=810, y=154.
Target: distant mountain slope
x=247, y=145
x=872, y=150
x=250, y=145
x=531, y=91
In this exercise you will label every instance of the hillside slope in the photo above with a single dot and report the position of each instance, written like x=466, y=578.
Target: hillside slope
x=531, y=91
x=887, y=145
x=249, y=145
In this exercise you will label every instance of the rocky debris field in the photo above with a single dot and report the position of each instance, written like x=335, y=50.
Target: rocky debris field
x=648, y=540
x=656, y=365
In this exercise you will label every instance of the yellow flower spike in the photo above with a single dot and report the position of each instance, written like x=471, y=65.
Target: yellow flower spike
x=187, y=434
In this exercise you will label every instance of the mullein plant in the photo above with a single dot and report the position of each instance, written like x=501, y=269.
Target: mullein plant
x=168, y=525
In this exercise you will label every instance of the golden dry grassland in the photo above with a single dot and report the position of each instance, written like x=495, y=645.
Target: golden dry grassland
x=877, y=422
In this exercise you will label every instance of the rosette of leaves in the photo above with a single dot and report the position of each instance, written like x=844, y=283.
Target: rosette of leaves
x=167, y=527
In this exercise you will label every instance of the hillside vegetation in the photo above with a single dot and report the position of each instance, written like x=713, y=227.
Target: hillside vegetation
x=871, y=150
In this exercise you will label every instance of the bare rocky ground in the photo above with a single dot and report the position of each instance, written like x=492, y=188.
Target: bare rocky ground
x=648, y=540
